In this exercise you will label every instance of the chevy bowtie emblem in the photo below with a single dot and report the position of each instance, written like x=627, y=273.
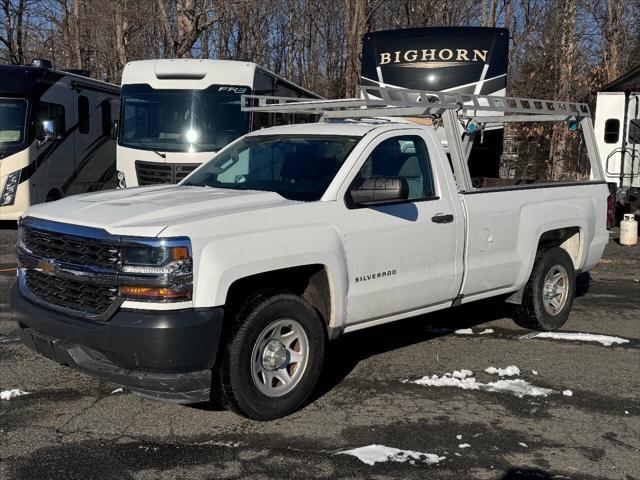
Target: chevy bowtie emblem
x=46, y=266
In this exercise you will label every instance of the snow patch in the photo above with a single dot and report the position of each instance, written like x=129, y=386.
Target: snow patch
x=13, y=393
x=461, y=374
x=522, y=444
x=567, y=393
x=464, y=445
x=510, y=371
x=117, y=390
x=605, y=340
x=469, y=331
x=372, y=454
x=464, y=331
x=517, y=387
x=535, y=372
x=458, y=437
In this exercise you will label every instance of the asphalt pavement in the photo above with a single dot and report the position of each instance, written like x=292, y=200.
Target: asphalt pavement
x=70, y=425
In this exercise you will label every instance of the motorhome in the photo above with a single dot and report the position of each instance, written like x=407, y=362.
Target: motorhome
x=55, y=135
x=617, y=130
x=176, y=113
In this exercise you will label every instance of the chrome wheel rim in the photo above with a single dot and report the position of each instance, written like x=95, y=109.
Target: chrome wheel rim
x=279, y=357
x=556, y=289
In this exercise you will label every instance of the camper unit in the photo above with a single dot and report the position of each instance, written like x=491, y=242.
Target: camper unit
x=55, y=135
x=617, y=128
x=177, y=113
x=471, y=60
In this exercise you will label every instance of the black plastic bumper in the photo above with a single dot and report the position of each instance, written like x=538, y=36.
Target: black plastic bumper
x=164, y=355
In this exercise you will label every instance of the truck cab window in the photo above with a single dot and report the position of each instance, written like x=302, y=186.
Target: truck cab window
x=84, y=115
x=404, y=157
x=612, y=130
x=49, y=111
x=296, y=167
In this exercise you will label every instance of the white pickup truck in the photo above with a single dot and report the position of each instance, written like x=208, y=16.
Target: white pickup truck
x=231, y=283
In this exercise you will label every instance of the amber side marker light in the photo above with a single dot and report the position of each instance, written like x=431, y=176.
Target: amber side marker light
x=152, y=292
x=179, y=253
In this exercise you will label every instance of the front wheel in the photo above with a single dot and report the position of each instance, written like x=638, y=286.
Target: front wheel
x=273, y=357
x=549, y=293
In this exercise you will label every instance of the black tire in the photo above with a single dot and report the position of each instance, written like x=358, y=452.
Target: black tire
x=532, y=313
x=234, y=386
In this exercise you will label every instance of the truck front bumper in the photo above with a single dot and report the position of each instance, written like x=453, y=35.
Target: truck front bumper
x=162, y=355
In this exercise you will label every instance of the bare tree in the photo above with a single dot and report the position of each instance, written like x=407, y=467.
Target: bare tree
x=14, y=29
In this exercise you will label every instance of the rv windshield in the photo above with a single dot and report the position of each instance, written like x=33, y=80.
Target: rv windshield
x=182, y=120
x=294, y=166
x=13, y=115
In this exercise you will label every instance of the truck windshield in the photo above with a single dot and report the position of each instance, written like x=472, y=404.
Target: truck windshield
x=13, y=115
x=182, y=120
x=296, y=167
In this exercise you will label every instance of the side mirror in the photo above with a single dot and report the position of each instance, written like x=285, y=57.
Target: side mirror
x=377, y=190
x=114, y=130
x=49, y=132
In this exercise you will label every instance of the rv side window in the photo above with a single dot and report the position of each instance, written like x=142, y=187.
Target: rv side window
x=634, y=130
x=612, y=130
x=52, y=112
x=105, y=110
x=83, y=114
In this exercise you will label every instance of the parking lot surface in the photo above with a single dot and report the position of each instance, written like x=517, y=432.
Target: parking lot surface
x=573, y=411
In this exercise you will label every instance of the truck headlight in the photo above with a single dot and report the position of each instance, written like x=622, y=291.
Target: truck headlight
x=9, y=191
x=160, y=273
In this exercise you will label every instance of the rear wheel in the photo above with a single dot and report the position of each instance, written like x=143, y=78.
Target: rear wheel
x=273, y=356
x=548, y=295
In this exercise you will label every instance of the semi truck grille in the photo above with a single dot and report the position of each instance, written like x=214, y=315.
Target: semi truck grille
x=151, y=173
x=70, y=249
x=83, y=297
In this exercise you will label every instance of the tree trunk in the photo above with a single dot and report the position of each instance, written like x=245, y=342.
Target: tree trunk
x=563, y=92
x=357, y=20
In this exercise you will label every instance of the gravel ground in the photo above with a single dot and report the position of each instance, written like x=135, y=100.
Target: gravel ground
x=73, y=426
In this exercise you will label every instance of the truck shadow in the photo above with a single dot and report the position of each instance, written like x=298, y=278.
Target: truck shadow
x=348, y=350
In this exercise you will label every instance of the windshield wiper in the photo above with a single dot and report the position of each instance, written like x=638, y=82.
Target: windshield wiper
x=160, y=154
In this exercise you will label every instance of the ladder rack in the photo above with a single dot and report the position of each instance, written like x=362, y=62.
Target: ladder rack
x=455, y=112
x=394, y=102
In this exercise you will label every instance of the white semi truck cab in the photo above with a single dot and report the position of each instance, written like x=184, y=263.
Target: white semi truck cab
x=231, y=283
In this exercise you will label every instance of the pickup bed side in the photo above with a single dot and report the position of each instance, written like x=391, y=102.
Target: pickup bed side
x=505, y=228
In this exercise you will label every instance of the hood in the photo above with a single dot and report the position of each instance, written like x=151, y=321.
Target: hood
x=146, y=211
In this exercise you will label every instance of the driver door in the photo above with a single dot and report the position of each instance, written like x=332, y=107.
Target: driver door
x=406, y=255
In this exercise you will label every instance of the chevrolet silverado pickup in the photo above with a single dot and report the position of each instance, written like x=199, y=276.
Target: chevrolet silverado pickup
x=230, y=284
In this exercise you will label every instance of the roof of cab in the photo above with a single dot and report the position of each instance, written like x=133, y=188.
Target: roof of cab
x=348, y=128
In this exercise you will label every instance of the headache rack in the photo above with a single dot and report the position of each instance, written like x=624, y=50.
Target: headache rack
x=462, y=115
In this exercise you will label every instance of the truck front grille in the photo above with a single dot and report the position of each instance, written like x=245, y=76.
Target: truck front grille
x=152, y=173
x=83, y=297
x=69, y=248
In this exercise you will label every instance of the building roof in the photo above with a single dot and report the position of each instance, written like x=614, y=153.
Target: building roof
x=627, y=81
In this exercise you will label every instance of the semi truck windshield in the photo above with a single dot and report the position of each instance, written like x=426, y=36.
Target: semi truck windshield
x=13, y=114
x=182, y=120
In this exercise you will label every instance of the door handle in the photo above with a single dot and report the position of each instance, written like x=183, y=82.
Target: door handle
x=442, y=218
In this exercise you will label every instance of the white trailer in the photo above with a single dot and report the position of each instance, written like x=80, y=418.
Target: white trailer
x=55, y=135
x=617, y=130
x=177, y=113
